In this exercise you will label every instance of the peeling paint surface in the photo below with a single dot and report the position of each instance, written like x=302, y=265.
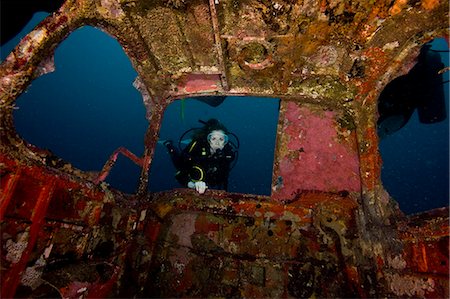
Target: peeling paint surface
x=316, y=157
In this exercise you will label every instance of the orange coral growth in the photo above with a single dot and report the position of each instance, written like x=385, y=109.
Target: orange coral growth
x=397, y=7
x=430, y=4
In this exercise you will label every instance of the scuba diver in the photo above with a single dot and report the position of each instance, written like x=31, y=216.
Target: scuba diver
x=207, y=160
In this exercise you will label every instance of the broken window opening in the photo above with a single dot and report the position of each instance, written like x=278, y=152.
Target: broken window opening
x=414, y=132
x=252, y=119
x=77, y=112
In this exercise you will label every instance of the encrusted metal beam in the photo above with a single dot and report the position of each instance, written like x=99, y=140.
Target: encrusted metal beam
x=218, y=45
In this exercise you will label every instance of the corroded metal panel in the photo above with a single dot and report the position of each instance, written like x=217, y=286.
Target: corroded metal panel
x=250, y=249
x=82, y=241
x=317, y=151
x=180, y=39
x=56, y=231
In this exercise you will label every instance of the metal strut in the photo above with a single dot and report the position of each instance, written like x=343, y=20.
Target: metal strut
x=218, y=45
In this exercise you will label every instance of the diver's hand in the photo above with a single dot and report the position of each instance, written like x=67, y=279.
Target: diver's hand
x=199, y=186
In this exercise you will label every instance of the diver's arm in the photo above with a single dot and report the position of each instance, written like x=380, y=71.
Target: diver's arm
x=197, y=179
x=190, y=178
x=225, y=184
x=196, y=174
x=182, y=177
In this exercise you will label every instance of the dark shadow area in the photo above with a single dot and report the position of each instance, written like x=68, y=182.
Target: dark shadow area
x=251, y=123
x=87, y=108
x=9, y=45
x=16, y=14
x=422, y=89
x=414, y=132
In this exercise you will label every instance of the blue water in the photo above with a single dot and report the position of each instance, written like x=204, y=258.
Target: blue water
x=416, y=158
x=77, y=113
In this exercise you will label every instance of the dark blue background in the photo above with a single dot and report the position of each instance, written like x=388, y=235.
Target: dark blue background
x=78, y=113
x=416, y=158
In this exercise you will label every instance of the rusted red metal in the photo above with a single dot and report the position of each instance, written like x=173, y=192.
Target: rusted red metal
x=199, y=83
x=12, y=277
x=288, y=236
x=38, y=200
x=112, y=160
x=8, y=185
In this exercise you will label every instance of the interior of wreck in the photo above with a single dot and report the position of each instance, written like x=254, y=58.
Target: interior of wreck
x=322, y=225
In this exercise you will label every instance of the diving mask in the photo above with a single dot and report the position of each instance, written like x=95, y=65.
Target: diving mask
x=217, y=139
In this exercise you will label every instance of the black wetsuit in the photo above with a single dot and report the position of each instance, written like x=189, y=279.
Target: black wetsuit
x=196, y=163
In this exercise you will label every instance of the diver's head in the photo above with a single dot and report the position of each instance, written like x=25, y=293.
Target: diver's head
x=217, y=140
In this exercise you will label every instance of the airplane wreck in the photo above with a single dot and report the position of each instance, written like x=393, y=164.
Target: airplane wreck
x=328, y=228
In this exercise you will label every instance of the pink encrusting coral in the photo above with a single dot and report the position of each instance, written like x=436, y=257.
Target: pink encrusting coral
x=317, y=156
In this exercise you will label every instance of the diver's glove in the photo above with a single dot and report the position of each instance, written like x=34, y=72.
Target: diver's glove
x=199, y=186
